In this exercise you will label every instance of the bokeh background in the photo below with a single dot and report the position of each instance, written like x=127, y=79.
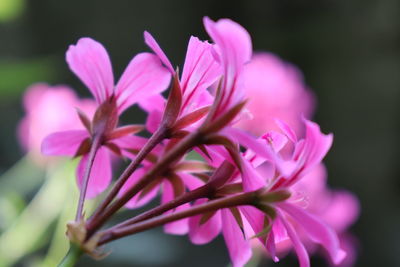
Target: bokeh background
x=349, y=52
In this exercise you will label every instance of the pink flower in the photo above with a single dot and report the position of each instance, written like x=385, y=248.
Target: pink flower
x=291, y=217
x=200, y=71
x=233, y=50
x=49, y=109
x=275, y=90
x=337, y=208
x=144, y=77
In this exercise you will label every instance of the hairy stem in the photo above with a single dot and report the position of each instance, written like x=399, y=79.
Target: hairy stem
x=92, y=154
x=248, y=198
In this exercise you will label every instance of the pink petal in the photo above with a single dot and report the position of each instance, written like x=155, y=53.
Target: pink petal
x=200, y=71
x=260, y=148
x=63, y=143
x=143, y=78
x=190, y=181
x=316, y=230
x=233, y=45
x=152, y=43
x=179, y=227
x=270, y=245
x=343, y=210
x=251, y=179
x=155, y=102
x=202, y=234
x=100, y=176
x=89, y=61
x=233, y=40
x=301, y=251
x=138, y=200
x=153, y=121
x=239, y=248
x=276, y=140
x=288, y=131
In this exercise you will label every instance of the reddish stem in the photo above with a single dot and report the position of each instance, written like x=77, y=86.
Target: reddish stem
x=92, y=154
x=247, y=198
x=177, y=151
x=154, y=140
x=220, y=176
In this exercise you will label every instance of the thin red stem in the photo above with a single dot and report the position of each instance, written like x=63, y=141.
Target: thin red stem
x=222, y=174
x=247, y=198
x=82, y=195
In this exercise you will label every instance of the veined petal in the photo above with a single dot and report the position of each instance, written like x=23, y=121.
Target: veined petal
x=233, y=45
x=152, y=43
x=204, y=233
x=143, y=78
x=239, y=248
x=301, y=251
x=100, y=175
x=89, y=61
x=233, y=40
x=318, y=231
x=63, y=143
x=200, y=71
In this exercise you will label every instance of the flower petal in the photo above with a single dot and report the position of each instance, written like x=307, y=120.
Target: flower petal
x=100, y=175
x=179, y=227
x=200, y=71
x=89, y=61
x=63, y=143
x=204, y=233
x=138, y=200
x=233, y=45
x=239, y=248
x=301, y=251
x=143, y=78
x=152, y=43
x=318, y=231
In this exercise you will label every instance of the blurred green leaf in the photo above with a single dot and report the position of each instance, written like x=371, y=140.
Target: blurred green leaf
x=11, y=9
x=31, y=229
x=16, y=76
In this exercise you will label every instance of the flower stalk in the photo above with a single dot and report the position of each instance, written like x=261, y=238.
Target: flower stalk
x=72, y=256
x=249, y=198
x=82, y=195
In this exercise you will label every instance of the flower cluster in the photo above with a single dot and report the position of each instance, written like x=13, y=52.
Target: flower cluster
x=257, y=176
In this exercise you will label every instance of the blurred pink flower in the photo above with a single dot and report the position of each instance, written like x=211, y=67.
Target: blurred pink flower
x=337, y=208
x=275, y=90
x=49, y=109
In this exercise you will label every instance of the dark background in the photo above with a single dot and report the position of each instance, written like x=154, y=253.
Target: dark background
x=349, y=53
